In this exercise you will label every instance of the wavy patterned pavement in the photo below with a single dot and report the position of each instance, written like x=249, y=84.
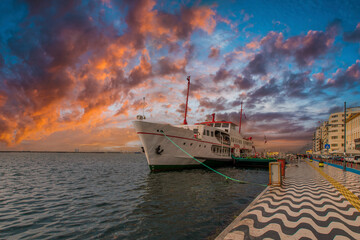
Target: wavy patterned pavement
x=309, y=205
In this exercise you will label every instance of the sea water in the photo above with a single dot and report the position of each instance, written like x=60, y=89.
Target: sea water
x=115, y=196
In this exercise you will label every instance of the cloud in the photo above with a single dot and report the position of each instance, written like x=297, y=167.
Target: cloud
x=214, y=53
x=244, y=83
x=221, y=75
x=353, y=36
x=296, y=84
x=1, y=61
x=346, y=79
x=69, y=65
x=257, y=66
x=217, y=105
x=143, y=20
x=267, y=90
x=168, y=66
x=302, y=49
x=335, y=109
x=270, y=116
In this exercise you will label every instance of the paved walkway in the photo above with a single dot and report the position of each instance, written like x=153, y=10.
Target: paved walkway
x=314, y=203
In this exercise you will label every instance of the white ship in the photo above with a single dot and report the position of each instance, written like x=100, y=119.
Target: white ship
x=213, y=143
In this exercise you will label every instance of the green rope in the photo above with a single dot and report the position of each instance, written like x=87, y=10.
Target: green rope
x=226, y=177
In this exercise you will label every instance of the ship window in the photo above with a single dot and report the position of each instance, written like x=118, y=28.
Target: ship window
x=196, y=130
x=184, y=143
x=200, y=145
x=225, y=125
x=212, y=134
x=217, y=124
x=204, y=146
x=204, y=132
x=190, y=144
x=208, y=132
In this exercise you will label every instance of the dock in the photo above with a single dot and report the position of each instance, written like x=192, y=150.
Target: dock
x=313, y=203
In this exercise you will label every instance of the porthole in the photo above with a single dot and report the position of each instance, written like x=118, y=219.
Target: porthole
x=184, y=143
x=190, y=144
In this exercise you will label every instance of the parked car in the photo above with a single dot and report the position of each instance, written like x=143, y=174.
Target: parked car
x=339, y=158
x=350, y=159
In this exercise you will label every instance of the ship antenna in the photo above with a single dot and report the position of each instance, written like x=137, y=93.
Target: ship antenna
x=143, y=107
x=240, y=117
x=187, y=98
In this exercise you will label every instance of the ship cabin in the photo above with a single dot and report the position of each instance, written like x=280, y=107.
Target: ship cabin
x=226, y=133
x=223, y=125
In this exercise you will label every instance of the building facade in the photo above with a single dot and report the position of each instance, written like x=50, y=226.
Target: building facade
x=353, y=134
x=320, y=138
x=332, y=132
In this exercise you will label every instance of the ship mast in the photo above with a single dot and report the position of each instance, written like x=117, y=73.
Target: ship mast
x=240, y=118
x=187, y=98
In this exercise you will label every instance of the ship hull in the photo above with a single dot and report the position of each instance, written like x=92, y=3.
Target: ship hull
x=163, y=154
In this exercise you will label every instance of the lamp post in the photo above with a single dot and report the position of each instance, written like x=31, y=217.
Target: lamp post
x=344, y=163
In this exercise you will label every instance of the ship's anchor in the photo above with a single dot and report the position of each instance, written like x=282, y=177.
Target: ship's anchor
x=158, y=150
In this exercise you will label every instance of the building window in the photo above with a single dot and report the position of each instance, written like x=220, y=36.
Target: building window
x=334, y=137
x=334, y=145
x=208, y=132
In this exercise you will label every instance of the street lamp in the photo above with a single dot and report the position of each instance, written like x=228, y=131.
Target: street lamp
x=344, y=164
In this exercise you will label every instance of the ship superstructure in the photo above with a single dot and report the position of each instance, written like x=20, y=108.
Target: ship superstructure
x=212, y=143
x=169, y=146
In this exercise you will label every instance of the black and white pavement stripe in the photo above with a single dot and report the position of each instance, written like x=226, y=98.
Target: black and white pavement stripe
x=304, y=208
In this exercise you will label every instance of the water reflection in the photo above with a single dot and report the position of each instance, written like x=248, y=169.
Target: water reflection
x=114, y=196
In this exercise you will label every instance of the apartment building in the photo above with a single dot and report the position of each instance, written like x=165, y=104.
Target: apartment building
x=353, y=134
x=336, y=132
x=320, y=138
x=332, y=132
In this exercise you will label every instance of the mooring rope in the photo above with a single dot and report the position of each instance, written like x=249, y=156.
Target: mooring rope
x=225, y=176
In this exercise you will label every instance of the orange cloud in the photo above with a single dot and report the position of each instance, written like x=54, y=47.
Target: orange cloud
x=82, y=70
x=253, y=45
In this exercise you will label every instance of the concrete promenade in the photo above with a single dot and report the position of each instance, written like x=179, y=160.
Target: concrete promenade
x=313, y=203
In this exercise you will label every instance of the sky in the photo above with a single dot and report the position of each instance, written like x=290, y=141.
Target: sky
x=73, y=74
